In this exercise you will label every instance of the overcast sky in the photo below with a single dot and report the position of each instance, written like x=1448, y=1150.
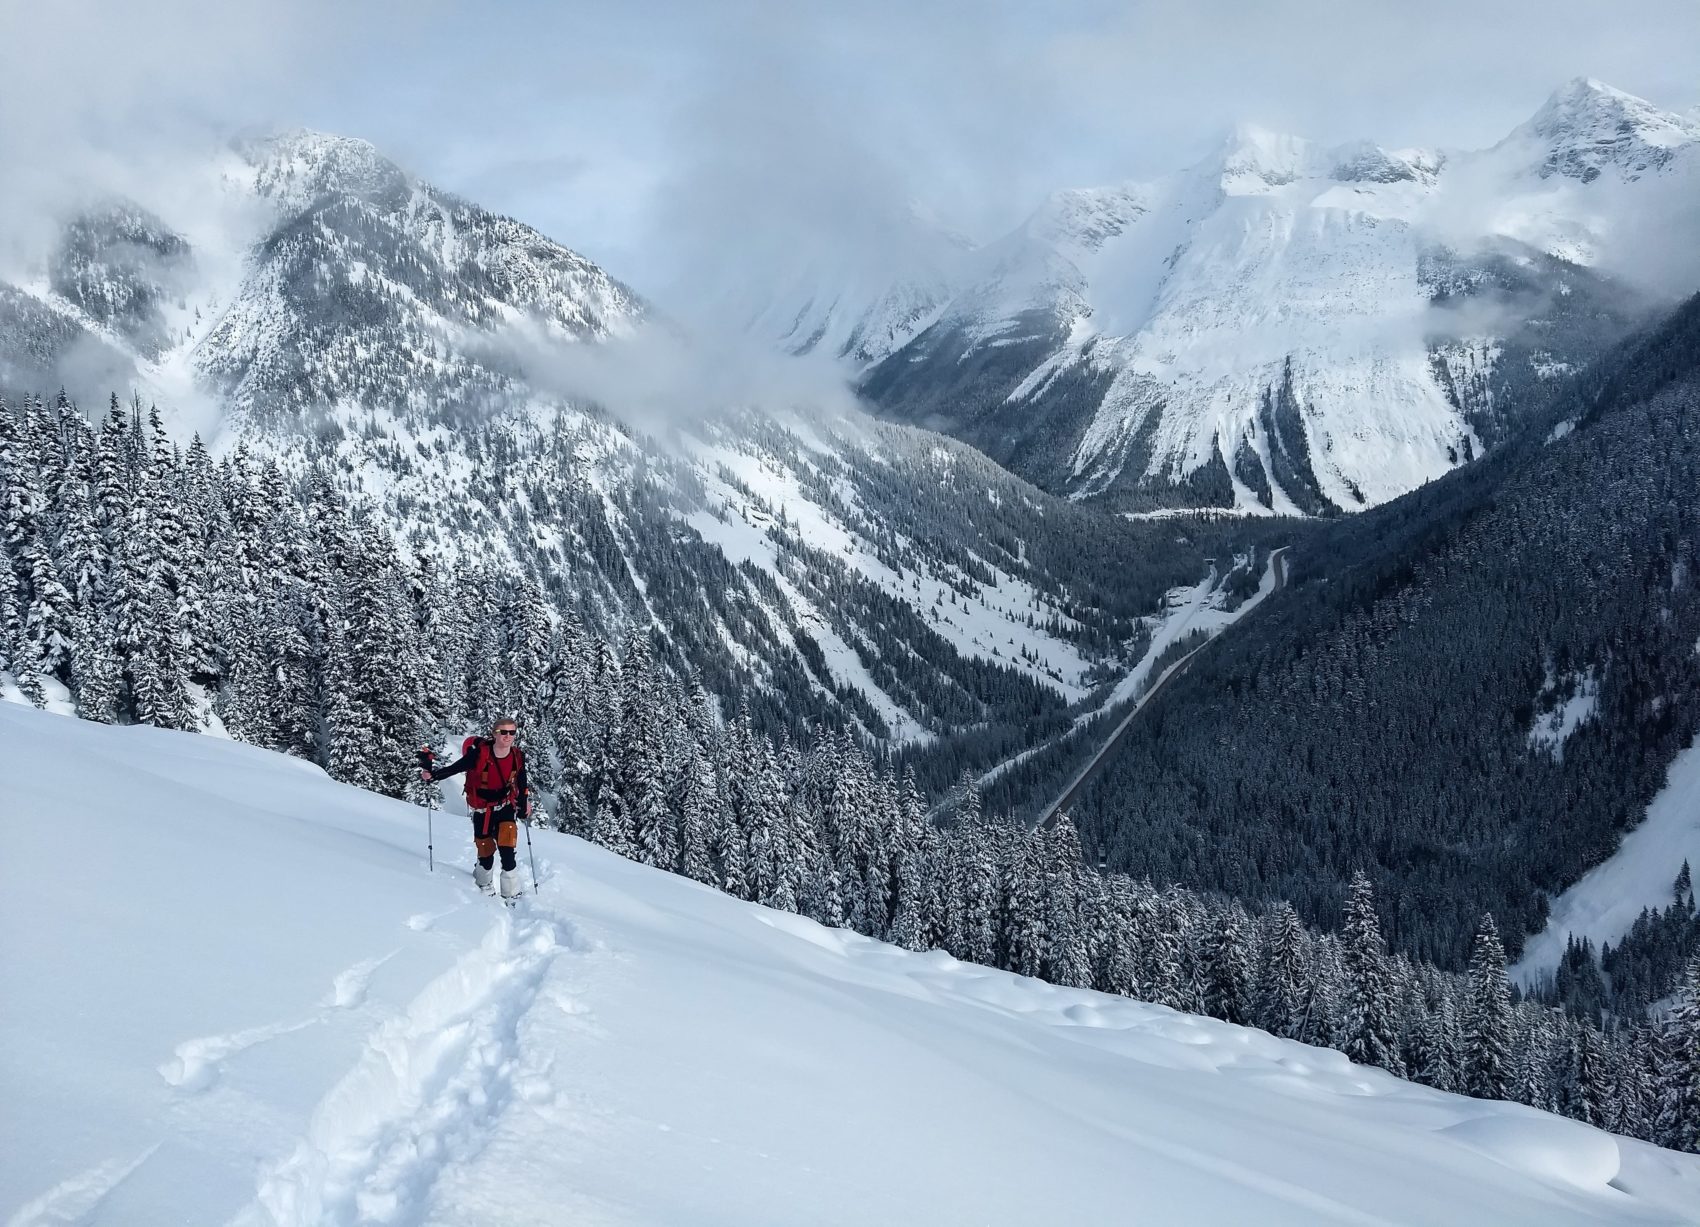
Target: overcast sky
x=646, y=134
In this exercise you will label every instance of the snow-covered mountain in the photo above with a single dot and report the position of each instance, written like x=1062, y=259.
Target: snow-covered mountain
x=310, y=272
x=323, y=310
x=246, y=1000
x=1291, y=328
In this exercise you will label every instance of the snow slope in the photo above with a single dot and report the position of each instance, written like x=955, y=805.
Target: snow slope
x=1603, y=904
x=234, y=994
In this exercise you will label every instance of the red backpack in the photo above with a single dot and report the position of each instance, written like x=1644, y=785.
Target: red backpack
x=490, y=772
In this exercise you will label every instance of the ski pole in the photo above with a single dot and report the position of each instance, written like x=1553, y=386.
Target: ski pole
x=529, y=851
x=425, y=757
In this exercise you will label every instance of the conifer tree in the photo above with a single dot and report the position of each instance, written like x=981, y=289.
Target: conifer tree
x=526, y=658
x=1282, y=993
x=1227, y=966
x=1534, y=1038
x=1634, y=1105
x=94, y=670
x=1371, y=1035
x=1586, y=1088
x=975, y=887
x=1487, y=1018
x=1024, y=927
x=908, y=923
x=1067, y=953
x=1679, y=1050
x=1323, y=1022
x=1434, y=1061
x=647, y=822
x=697, y=818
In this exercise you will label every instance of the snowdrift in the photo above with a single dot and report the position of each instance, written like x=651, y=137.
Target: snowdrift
x=234, y=994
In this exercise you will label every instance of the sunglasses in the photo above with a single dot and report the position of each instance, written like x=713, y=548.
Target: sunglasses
x=507, y=732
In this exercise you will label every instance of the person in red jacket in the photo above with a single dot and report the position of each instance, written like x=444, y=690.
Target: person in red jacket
x=496, y=795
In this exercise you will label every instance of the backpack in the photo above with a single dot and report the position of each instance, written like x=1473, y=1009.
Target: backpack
x=490, y=773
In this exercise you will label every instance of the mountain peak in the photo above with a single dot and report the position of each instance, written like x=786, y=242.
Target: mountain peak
x=1587, y=126
x=298, y=165
x=1253, y=159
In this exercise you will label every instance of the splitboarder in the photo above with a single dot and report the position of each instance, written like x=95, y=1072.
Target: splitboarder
x=497, y=796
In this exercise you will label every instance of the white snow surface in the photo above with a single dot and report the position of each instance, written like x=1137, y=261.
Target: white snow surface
x=243, y=999
x=1602, y=905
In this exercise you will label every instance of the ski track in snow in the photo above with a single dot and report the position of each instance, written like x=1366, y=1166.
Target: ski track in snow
x=424, y=1092
x=76, y=1199
x=195, y=1064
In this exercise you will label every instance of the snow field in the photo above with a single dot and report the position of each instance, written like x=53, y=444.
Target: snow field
x=243, y=999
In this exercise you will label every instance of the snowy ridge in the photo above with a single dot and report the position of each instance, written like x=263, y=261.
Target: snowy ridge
x=309, y=271
x=406, y=1051
x=1142, y=327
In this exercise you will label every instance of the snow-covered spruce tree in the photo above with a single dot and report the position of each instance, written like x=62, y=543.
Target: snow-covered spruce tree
x=20, y=493
x=1067, y=952
x=1227, y=965
x=373, y=715
x=751, y=808
x=1184, y=915
x=1487, y=1019
x=908, y=867
x=1120, y=939
x=94, y=669
x=293, y=634
x=908, y=923
x=1634, y=1103
x=161, y=679
x=936, y=875
x=1324, y=1018
x=640, y=781
x=1678, y=1124
x=774, y=867
x=968, y=801
x=597, y=787
x=1434, y=1057
x=976, y=889
x=80, y=551
x=698, y=826
x=1282, y=978
x=1585, y=1082
x=1164, y=969
x=1024, y=936
x=17, y=651
x=529, y=641
x=1532, y=1068
x=1371, y=1026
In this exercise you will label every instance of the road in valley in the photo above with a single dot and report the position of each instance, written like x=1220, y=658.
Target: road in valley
x=1278, y=567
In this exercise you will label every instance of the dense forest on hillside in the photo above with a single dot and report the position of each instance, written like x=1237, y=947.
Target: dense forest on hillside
x=1471, y=693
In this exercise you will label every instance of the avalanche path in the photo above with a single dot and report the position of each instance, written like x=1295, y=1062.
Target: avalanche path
x=234, y=994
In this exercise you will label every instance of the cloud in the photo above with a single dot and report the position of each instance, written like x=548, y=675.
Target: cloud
x=107, y=96
x=660, y=379
x=699, y=150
